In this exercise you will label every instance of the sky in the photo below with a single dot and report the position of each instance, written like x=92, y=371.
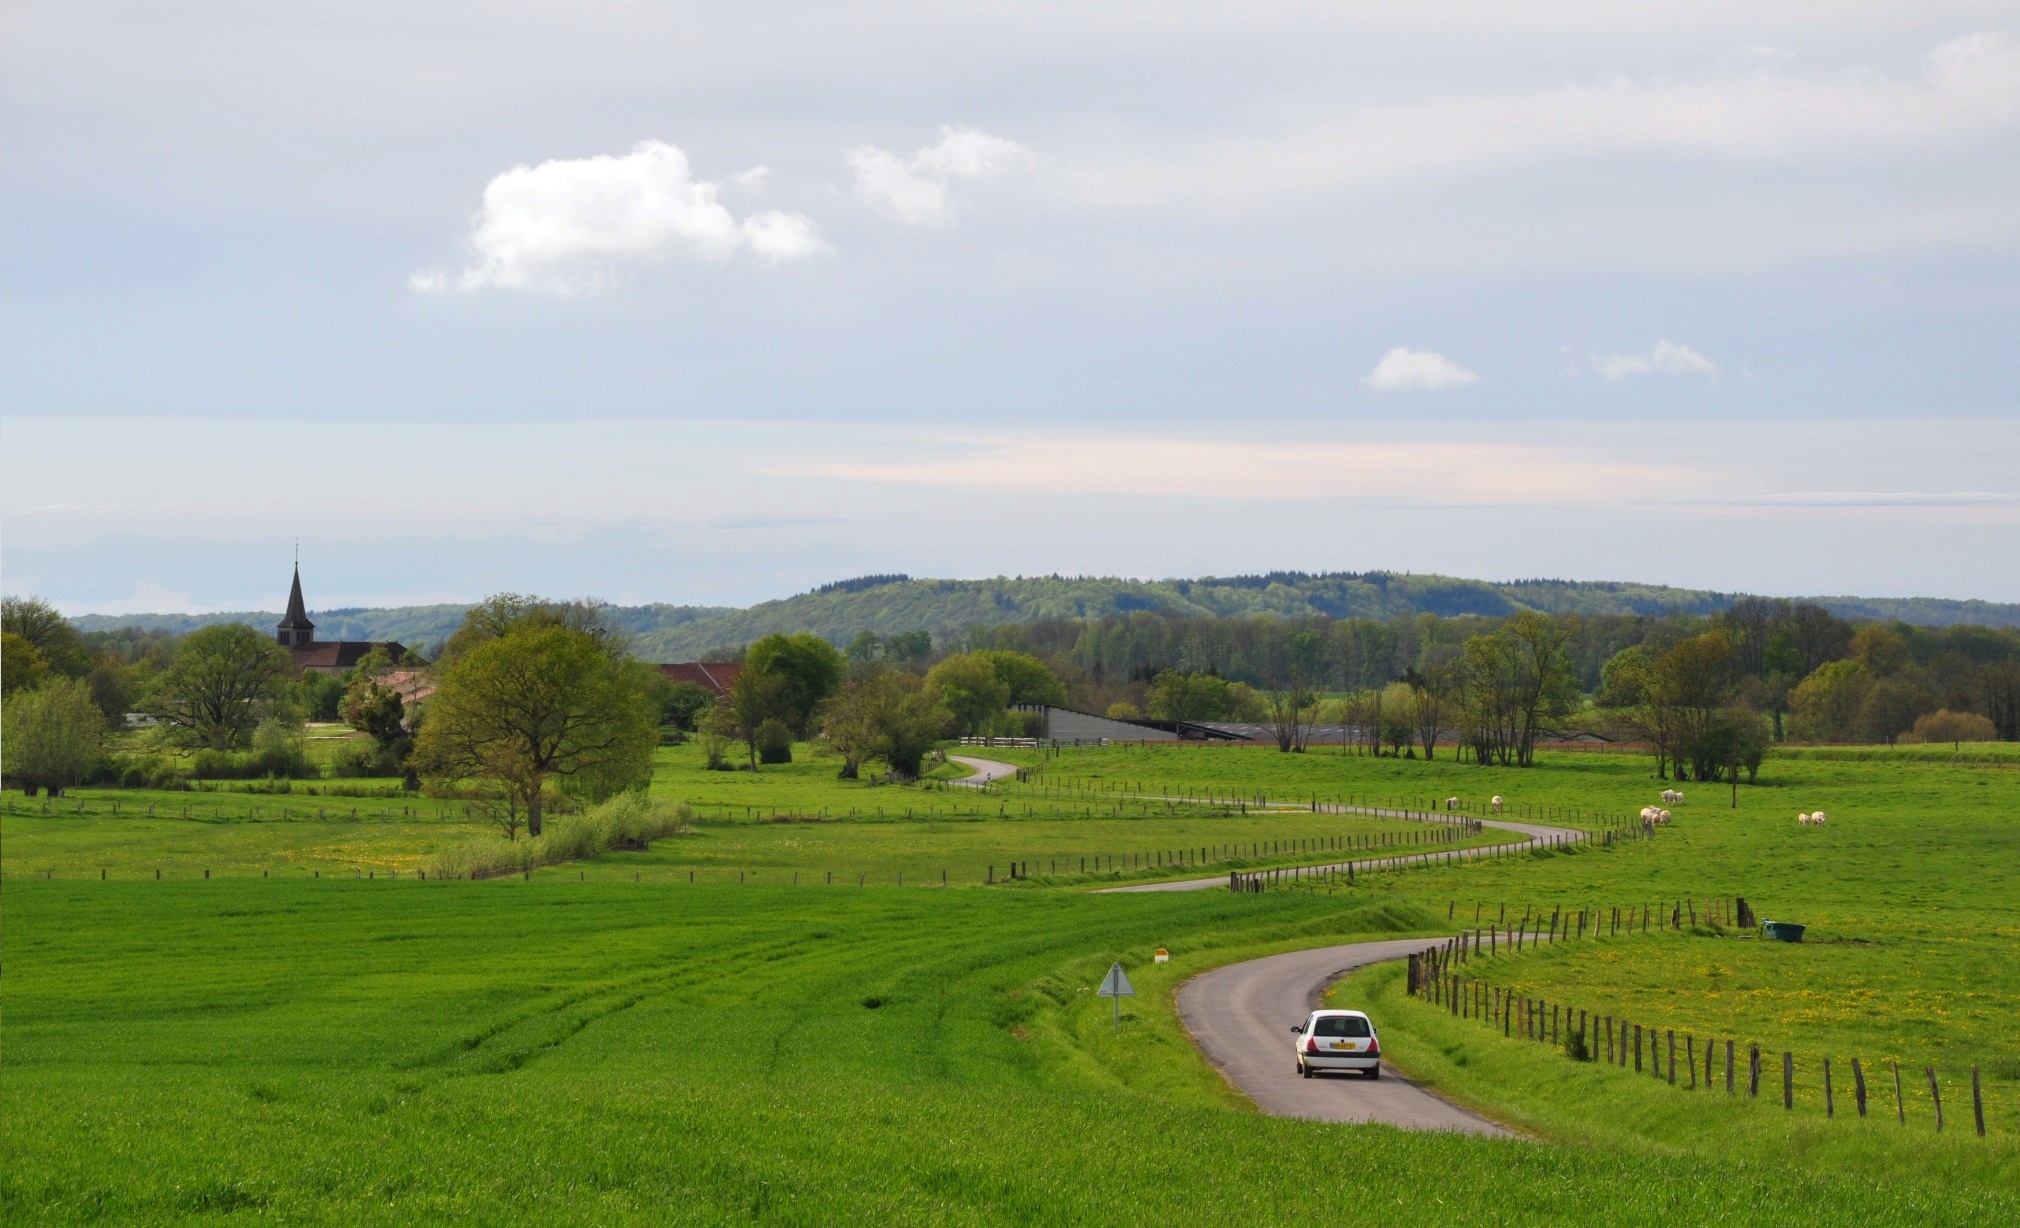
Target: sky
x=708, y=304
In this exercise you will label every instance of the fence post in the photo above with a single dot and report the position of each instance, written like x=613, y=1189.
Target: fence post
x=1935, y=1094
x=1977, y=1102
x=1900, y=1105
x=1753, y=1070
x=1672, y=1057
x=1728, y=1068
x=1859, y=1085
x=1788, y=1079
x=1830, y=1109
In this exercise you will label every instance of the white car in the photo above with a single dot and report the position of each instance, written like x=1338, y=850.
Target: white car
x=1338, y=1040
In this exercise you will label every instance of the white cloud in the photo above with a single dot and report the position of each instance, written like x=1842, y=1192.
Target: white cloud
x=1667, y=358
x=916, y=192
x=567, y=225
x=1404, y=370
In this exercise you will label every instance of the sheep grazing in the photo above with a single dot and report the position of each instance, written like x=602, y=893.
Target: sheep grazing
x=1662, y=817
x=1816, y=819
x=1803, y=818
x=1451, y=803
x=1496, y=803
x=1648, y=816
x=1672, y=797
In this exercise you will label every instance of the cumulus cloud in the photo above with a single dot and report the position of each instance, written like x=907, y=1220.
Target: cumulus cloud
x=570, y=224
x=1667, y=358
x=1405, y=370
x=915, y=190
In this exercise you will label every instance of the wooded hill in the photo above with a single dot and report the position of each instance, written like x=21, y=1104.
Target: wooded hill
x=891, y=605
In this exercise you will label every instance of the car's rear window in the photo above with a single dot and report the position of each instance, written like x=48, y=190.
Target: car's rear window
x=1340, y=1025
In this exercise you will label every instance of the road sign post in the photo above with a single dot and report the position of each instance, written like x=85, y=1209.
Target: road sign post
x=1116, y=985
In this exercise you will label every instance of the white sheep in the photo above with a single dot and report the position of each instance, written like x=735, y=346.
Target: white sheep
x=1496, y=803
x=1672, y=797
x=1662, y=817
x=1451, y=803
x=1819, y=818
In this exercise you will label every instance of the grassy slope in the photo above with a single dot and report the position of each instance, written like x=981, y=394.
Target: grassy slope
x=343, y=1052
x=400, y=1051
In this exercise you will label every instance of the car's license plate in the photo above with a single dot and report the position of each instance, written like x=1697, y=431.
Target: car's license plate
x=1341, y=1044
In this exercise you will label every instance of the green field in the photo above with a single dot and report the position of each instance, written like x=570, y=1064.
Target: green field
x=397, y=1052
x=789, y=819
x=583, y=1047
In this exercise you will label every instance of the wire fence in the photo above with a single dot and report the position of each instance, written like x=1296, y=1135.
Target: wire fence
x=1439, y=977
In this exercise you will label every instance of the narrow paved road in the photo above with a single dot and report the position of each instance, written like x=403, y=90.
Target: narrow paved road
x=986, y=770
x=1533, y=831
x=1241, y=1016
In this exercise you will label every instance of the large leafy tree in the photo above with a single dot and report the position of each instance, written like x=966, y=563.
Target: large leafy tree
x=539, y=705
x=808, y=665
x=969, y=689
x=757, y=704
x=50, y=736
x=21, y=665
x=883, y=714
x=213, y=691
x=56, y=642
x=1028, y=678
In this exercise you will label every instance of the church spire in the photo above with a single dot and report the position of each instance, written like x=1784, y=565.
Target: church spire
x=295, y=627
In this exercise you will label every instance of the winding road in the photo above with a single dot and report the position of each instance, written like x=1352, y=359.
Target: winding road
x=986, y=770
x=1240, y=1017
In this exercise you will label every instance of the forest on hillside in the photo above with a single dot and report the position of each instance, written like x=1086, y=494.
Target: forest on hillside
x=949, y=609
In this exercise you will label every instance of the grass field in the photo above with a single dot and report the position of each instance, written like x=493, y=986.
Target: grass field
x=401, y=1052
x=788, y=819
x=585, y=1048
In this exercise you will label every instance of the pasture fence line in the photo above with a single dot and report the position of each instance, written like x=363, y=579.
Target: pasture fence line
x=1436, y=977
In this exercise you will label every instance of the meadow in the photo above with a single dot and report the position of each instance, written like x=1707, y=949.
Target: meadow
x=396, y=1052
x=788, y=819
x=610, y=1042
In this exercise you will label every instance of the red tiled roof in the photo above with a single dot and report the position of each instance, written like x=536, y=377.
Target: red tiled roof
x=717, y=676
x=413, y=685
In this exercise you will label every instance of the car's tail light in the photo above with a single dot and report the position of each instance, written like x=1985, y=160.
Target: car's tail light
x=1374, y=1047
x=1311, y=1044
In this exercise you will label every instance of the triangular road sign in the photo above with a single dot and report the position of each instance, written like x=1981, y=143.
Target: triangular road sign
x=1115, y=984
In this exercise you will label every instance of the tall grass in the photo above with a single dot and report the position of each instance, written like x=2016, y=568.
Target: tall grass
x=627, y=821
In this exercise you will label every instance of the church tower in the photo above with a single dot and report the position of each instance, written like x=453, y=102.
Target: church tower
x=295, y=629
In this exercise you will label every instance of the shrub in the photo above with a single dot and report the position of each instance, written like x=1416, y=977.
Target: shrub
x=363, y=758
x=1944, y=725
x=774, y=741
x=1576, y=1048
x=629, y=821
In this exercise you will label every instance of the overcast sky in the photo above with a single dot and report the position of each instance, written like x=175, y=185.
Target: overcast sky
x=711, y=303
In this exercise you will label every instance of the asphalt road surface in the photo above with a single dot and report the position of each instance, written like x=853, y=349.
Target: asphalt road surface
x=1241, y=1016
x=1534, y=832
x=986, y=770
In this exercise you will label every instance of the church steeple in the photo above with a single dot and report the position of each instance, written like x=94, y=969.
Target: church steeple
x=295, y=628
